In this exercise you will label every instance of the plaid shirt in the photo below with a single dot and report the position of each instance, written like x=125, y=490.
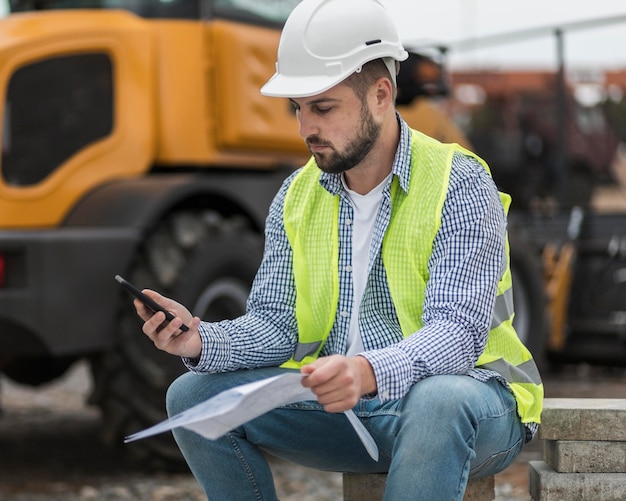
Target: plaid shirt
x=467, y=261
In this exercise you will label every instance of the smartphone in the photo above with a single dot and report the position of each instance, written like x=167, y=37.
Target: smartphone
x=150, y=303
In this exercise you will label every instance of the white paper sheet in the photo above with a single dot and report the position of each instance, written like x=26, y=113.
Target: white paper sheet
x=231, y=408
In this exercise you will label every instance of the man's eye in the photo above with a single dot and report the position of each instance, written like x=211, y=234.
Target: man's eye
x=321, y=111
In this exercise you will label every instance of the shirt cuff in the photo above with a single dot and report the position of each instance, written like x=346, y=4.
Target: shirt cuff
x=215, y=353
x=392, y=370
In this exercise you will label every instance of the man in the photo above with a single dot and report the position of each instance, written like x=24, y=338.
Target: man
x=384, y=281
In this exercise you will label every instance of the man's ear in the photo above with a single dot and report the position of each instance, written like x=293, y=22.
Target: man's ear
x=384, y=93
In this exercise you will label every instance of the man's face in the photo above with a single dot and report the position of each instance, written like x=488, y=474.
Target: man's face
x=338, y=128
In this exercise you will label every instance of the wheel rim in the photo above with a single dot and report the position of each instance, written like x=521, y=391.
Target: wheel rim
x=221, y=299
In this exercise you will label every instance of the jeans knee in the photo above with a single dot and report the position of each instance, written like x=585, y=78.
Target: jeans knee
x=174, y=396
x=184, y=392
x=191, y=388
x=444, y=397
x=450, y=387
x=452, y=400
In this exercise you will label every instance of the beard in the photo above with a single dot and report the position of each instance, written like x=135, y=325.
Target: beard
x=336, y=162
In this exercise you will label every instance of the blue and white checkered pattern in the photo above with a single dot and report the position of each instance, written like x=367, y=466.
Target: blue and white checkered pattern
x=467, y=262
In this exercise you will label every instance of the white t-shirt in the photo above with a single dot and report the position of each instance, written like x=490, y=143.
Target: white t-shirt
x=365, y=211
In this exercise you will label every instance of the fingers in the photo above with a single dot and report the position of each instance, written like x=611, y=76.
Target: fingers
x=144, y=312
x=157, y=328
x=168, y=337
x=147, y=312
x=334, y=383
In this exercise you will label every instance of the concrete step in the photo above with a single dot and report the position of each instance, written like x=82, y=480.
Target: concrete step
x=371, y=486
x=546, y=484
x=596, y=419
x=575, y=456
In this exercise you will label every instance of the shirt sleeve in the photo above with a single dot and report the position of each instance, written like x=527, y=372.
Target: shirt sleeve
x=266, y=335
x=468, y=259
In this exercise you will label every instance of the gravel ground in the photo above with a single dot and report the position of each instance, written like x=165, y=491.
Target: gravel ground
x=50, y=448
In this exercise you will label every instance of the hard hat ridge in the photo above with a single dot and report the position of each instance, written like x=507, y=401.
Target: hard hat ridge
x=324, y=41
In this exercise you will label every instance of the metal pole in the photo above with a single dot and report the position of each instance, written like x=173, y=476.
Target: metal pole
x=560, y=166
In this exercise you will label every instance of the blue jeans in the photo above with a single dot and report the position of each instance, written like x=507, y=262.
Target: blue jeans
x=445, y=430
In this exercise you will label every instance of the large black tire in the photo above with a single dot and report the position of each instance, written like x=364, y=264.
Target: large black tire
x=529, y=296
x=205, y=262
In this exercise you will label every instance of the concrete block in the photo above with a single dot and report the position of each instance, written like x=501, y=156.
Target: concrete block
x=371, y=486
x=583, y=419
x=575, y=456
x=545, y=484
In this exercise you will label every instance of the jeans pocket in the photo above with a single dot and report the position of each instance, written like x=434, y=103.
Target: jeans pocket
x=497, y=462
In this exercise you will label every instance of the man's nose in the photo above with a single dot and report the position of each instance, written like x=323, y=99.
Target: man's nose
x=307, y=123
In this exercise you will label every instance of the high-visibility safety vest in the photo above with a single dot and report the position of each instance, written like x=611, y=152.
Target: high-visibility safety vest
x=311, y=218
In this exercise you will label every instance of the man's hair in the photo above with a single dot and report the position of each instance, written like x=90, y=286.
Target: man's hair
x=370, y=72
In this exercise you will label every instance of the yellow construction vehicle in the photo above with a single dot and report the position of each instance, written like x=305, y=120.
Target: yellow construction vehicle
x=134, y=141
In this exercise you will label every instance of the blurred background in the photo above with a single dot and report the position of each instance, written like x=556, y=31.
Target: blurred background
x=452, y=21
x=135, y=141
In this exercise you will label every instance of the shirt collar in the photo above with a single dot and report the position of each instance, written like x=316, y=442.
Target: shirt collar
x=401, y=163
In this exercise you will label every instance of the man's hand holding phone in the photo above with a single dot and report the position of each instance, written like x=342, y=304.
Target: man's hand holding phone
x=170, y=326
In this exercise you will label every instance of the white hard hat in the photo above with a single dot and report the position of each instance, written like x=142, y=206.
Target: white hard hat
x=325, y=41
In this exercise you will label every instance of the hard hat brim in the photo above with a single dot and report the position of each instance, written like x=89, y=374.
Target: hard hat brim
x=301, y=86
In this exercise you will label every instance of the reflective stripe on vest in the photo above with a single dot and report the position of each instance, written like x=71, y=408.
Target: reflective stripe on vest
x=311, y=223
x=503, y=309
